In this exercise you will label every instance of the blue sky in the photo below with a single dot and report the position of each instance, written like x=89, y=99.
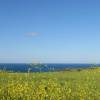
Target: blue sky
x=48, y=31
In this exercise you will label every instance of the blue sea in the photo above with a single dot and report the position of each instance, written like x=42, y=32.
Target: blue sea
x=42, y=67
x=13, y=67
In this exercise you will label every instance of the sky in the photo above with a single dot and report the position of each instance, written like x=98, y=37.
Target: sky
x=50, y=31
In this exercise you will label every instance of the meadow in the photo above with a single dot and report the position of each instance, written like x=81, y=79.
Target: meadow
x=63, y=85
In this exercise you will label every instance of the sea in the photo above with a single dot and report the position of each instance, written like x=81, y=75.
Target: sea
x=22, y=67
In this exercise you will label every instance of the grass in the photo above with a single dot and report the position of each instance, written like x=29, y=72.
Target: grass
x=63, y=85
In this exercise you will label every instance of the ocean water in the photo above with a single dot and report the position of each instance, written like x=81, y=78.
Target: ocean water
x=42, y=67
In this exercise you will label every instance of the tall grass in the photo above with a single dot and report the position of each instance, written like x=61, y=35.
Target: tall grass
x=64, y=85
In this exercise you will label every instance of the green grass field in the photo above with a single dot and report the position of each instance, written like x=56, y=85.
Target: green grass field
x=63, y=85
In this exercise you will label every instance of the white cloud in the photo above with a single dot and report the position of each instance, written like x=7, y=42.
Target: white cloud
x=33, y=34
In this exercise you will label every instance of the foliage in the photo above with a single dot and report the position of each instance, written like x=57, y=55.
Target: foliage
x=64, y=85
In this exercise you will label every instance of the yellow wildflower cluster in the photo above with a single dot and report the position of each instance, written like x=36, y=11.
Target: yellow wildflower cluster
x=83, y=85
